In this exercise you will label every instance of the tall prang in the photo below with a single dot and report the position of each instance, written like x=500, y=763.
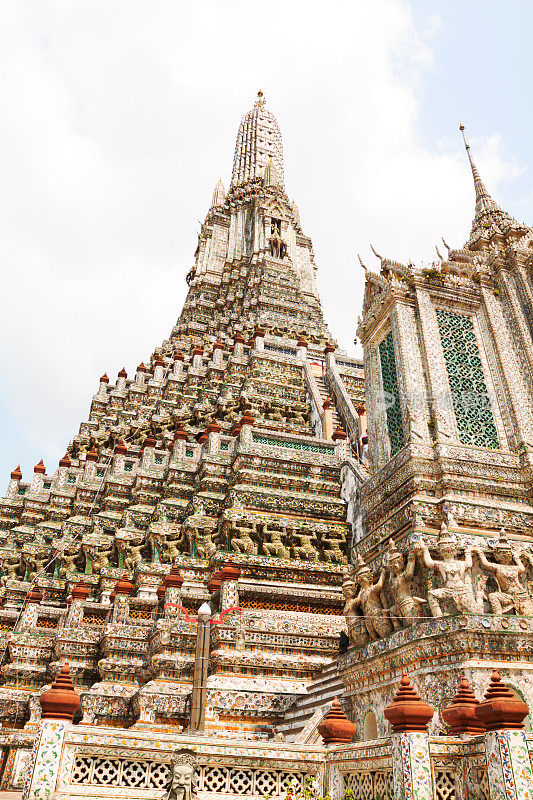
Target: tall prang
x=213, y=474
x=445, y=551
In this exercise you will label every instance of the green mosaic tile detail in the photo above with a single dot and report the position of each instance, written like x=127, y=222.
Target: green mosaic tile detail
x=313, y=448
x=392, y=394
x=471, y=401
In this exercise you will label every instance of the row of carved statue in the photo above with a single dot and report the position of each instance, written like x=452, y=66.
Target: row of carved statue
x=164, y=542
x=374, y=608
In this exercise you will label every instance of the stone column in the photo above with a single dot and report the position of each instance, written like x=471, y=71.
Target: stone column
x=102, y=391
x=59, y=705
x=213, y=438
x=28, y=617
x=170, y=593
x=201, y=666
x=238, y=346
x=178, y=364
x=259, y=340
x=411, y=762
x=301, y=349
x=121, y=592
x=335, y=729
x=509, y=772
x=79, y=594
x=228, y=577
x=16, y=477
x=245, y=431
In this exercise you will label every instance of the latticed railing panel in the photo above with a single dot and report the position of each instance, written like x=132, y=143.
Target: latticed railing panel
x=216, y=780
x=446, y=783
x=370, y=785
x=470, y=397
x=391, y=393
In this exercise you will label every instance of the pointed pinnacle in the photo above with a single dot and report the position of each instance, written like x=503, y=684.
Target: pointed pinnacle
x=376, y=254
x=361, y=262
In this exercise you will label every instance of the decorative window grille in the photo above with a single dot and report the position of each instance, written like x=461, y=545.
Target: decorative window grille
x=445, y=783
x=90, y=770
x=371, y=785
x=391, y=393
x=471, y=401
x=481, y=781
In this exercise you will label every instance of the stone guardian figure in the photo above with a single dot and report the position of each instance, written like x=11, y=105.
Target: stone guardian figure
x=456, y=575
x=182, y=766
x=507, y=569
x=406, y=608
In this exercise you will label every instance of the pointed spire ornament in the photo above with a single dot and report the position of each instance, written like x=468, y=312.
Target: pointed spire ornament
x=484, y=201
x=408, y=712
x=60, y=701
x=461, y=715
x=336, y=727
x=219, y=195
x=500, y=708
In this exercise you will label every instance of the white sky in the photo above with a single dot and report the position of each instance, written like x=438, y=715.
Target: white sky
x=117, y=120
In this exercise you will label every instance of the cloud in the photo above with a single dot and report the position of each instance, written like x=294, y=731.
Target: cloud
x=118, y=120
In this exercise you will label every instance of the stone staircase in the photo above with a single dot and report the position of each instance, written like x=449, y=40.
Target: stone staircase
x=300, y=720
x=322, y=388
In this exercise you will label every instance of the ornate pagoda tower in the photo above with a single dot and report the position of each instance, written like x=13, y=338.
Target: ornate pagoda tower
x=213, y=474
x=442, y=586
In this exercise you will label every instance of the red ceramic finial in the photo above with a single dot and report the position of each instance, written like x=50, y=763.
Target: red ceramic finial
x=159, y=362
x=247, y=419
x=301, y=342
x=16, y=475
x=326, y=404
x=34, y=596
x=408, y=712
x=40, y=468
x=65, y=461
x=501, y=709
x=80, y=591
x=461, y=713
x=171, y=581
x=213, y=427
x=338, y=434
x=229, y=571
x=336, y=727
x=104, y=378
x=92, y=455
x=178, y=356
x=214, y=584
x=122, y=373
x=124, y=585
x=329, y=348
x=259, y=333
x=61, y=701
x=141, y=367
x=180, y=433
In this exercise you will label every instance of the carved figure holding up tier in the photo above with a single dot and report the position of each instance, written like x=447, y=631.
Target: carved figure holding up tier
x=405, y=608
x=507, y=569
x=182, y=765
x=455, y=574
x=369, y=601
x=354, y=621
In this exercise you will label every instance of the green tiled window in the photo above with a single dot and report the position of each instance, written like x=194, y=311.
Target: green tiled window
x=471, y=401
x=392, y=394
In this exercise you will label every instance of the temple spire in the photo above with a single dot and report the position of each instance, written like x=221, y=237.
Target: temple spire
x=484, y=201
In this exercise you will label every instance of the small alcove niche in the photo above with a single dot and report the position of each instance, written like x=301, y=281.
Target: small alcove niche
x=370, y=727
